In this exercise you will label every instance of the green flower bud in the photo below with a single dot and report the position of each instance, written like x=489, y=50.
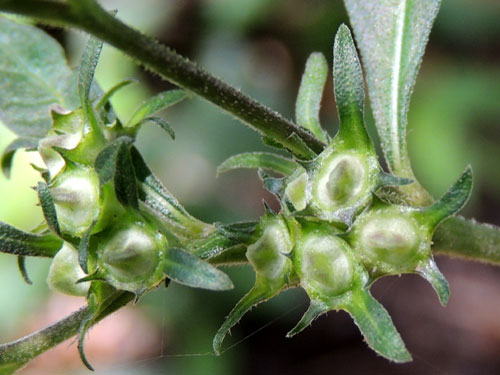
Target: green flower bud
x=340, y=181
x=131, y=255
x=268, y=254
x=295, y=192
x=76, y=197
x=65, y=271
x=325, y=264
x=390, y=240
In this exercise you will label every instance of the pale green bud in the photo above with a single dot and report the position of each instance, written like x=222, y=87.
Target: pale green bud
x=65, y=271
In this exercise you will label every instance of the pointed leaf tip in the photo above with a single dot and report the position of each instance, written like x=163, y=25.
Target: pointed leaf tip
x=155, y=104
x=433, y=275
x=263, y=160
x=377, y=327
x=391, y=36
x=452, y=201
x=310, y=93
x=259, y=293
x=313, y=312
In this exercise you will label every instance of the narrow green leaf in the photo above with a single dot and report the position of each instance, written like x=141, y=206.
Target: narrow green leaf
x=314, y=311
x=349, y=89
x=10, y=150
x=310, y=94
x=34, y=73
x=392, y=35
x=105, y=163
x=451, y=202
x=161, y=123
x=17, y=242
x=155, y=104
x=457, y=236
x=376, y=326
x=84, y=327
x=431, y=273
x=258, y=294
x=264, y=160
x=124, y=179
x=83, y=248
x=104, y=100
x=21, y=263
x=87, y=69
x=48, y=207
x=187, y=269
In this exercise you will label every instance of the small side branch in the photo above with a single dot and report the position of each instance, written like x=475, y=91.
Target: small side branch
x=17, y=354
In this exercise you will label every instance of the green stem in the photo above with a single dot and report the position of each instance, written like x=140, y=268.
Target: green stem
x=90, y=17
x=469, y=239
x=17, y=354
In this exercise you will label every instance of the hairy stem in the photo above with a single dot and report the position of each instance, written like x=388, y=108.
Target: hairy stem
x=469, y=239
x=17, y=354
x=90, y=17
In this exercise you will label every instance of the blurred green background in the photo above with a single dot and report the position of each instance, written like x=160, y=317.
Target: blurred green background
x=261, y=46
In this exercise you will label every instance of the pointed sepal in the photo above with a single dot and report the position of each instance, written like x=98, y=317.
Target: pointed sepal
x=86, y=76
x=155, y=104
x=48, y=207
x=104, y=100
x=21, y=263
x=433, y=275
x=316, y=308
x=160, y=122
x=310, y=93
x=259, y=160
x=377, y=327
x=261, y=292
x=349, y=89
x=187, y=269
x=451, y=202
x=115, y=162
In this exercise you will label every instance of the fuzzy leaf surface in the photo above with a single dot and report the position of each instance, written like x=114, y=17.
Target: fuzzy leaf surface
x=264, y=160
x=185, y=268
x=155, y=104
x=392, y=35
x=34, y=73
x=310, y=94
x=17, y=242
x=377, y=327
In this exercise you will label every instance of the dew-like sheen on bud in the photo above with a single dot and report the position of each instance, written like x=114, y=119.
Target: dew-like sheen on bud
x=267, y=254
x=345, y=180
x=131, y=254
x=325, y=265
x=76, y=198
x=65, y=271
x=389, y=239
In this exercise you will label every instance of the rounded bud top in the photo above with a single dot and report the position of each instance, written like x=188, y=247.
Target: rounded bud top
x=390, y=241
x=130, y=254
x=65, y=271
x=268, y=254
x=76, y=198
x=340, y=181
x=325, y=265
